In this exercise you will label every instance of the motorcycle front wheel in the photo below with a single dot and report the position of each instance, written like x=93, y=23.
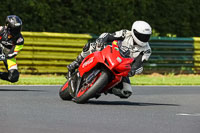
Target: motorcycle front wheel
x=90, y=90
x=64, y=92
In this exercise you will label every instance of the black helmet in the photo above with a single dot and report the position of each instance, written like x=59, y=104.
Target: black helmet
x=14, y=24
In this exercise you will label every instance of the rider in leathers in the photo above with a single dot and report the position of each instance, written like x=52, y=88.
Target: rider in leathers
x=12, y=42
x=134, y=43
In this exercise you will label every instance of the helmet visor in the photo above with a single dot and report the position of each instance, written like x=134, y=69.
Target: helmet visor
x=142, y=37
x=14, y=31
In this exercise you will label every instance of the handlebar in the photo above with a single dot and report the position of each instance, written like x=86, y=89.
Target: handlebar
x=125, y=54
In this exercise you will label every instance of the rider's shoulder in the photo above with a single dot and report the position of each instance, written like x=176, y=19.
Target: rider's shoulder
x=123, y=32
x=2, y=28
x=126, y=33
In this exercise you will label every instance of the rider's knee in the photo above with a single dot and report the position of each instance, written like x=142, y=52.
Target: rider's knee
x=13, y=75
x=123, y=90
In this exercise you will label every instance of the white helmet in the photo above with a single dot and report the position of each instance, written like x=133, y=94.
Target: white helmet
x=141, y=32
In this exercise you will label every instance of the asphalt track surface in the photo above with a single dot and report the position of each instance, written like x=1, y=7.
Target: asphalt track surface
x=153, y=109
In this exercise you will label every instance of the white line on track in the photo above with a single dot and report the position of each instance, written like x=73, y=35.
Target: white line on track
x=132, y=85
x=187, y=114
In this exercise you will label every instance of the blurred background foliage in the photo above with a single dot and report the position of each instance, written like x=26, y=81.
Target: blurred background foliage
x=179, y=18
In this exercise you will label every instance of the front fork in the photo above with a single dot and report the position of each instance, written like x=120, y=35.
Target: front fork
x=74, y=81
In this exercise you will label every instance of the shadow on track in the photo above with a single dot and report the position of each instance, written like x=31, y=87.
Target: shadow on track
x=128, y=103
x=22, y=90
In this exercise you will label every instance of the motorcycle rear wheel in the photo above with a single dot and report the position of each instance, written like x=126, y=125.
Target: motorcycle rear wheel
x=97, y=86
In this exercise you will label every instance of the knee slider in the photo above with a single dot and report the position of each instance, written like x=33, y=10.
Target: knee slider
x=13, y=75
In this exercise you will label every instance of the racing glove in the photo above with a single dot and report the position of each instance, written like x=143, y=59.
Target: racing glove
x=10, y=56
x=14, y=51
x=100, y=44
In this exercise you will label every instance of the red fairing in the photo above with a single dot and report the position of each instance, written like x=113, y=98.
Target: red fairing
x=89, y=62
x=111, y=58
x=65, y=86
x=124, y=68
x=117, y=64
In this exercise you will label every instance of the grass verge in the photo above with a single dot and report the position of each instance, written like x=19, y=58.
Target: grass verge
x=154, y=79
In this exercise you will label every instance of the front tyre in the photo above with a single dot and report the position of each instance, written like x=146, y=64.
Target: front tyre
x=64, y=92
x=92, y=89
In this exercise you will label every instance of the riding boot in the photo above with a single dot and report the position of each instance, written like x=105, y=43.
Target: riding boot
x=4, y=75
x=74, y=65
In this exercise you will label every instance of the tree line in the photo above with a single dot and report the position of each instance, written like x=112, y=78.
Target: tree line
x=175, y=17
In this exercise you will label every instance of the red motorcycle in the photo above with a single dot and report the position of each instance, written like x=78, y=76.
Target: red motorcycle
x=98, y=72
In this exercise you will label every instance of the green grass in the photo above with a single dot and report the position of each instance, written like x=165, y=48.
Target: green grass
x=154, y=79
x=37, y=80
x=165, y=80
